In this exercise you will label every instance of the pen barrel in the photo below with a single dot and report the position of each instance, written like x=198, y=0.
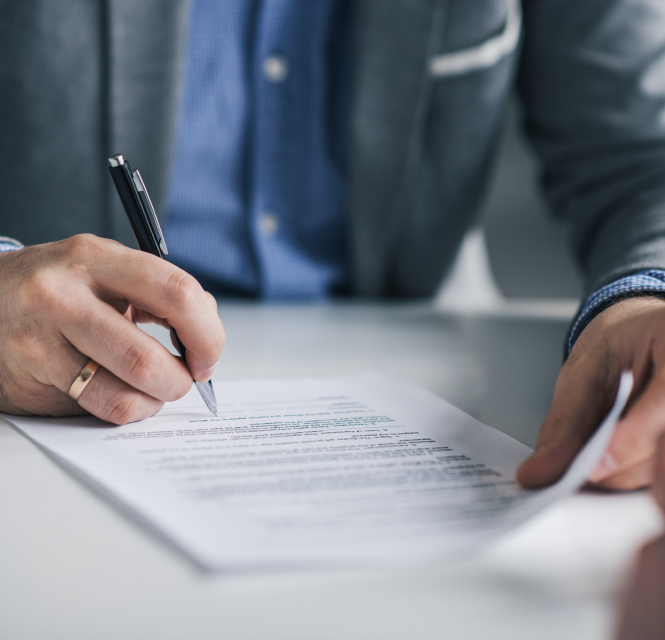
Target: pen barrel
x=123, y=182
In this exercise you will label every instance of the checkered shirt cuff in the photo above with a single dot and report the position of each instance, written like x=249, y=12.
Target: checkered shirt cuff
x=9, y=244
x=650, y=282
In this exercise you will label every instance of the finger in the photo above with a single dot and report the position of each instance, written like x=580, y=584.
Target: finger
x=141, y=316
x=126, y=351
x=167, y=292
x=635, y=437
x=113, y=400
x=582, y=396
x=31, y=397
x=55, y=365
x=212, y=300
x=638, y=476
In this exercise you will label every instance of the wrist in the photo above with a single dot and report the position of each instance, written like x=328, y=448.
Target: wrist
x=649, y=283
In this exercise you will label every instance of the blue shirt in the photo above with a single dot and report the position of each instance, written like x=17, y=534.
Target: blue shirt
x=258, y=196
x=257, y=203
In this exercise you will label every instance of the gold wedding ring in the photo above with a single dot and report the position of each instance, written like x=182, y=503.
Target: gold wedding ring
x=82, y=380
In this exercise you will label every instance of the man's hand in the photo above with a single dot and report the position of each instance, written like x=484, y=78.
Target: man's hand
x=64, y=303
x=628, y=335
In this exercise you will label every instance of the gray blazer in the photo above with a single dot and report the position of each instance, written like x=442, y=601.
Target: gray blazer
x=81, y=79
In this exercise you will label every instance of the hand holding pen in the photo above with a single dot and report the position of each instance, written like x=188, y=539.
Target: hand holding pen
x=144, y=222
x=68, y=302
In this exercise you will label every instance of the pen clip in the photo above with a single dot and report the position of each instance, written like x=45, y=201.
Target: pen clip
x=152, y=216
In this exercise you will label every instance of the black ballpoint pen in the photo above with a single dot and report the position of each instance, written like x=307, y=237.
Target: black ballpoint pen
x=141, y=214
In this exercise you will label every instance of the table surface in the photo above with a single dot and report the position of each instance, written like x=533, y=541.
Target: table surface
x=73, y=567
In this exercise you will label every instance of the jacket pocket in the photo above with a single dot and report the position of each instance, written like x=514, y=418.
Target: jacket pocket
x=486, y=54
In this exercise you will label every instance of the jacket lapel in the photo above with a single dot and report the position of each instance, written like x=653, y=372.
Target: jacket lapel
x=395, y=39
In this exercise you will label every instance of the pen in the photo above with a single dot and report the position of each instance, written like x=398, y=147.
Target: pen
x=141, y=214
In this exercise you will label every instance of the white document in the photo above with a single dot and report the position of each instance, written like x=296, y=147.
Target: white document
x=366, y=469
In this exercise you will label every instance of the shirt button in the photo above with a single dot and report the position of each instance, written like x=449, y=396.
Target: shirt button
x=275, y=68
x=268, y=224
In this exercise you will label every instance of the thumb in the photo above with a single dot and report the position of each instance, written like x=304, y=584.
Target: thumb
x=582, y=396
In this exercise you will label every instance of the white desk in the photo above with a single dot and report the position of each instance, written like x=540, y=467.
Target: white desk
x=72, y=567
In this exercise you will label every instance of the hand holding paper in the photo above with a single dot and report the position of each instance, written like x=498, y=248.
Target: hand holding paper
x=627, y=335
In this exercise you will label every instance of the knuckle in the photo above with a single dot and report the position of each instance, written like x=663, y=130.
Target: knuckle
x=85, y=245
x=127, y=407
x=141, y=363
x=183, y=289
x=42, y=290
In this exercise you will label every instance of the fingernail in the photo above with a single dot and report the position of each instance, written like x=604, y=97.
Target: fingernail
x=605, y=467
x=208, y=373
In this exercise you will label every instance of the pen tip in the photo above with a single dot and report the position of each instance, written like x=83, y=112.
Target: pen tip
x=208, y=395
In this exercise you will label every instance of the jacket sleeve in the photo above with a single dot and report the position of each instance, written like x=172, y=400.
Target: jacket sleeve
x=592, y=79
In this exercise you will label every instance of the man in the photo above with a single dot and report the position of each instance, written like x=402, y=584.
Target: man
x=322, y=147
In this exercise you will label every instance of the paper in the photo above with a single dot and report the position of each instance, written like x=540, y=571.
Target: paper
x=366, y=469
